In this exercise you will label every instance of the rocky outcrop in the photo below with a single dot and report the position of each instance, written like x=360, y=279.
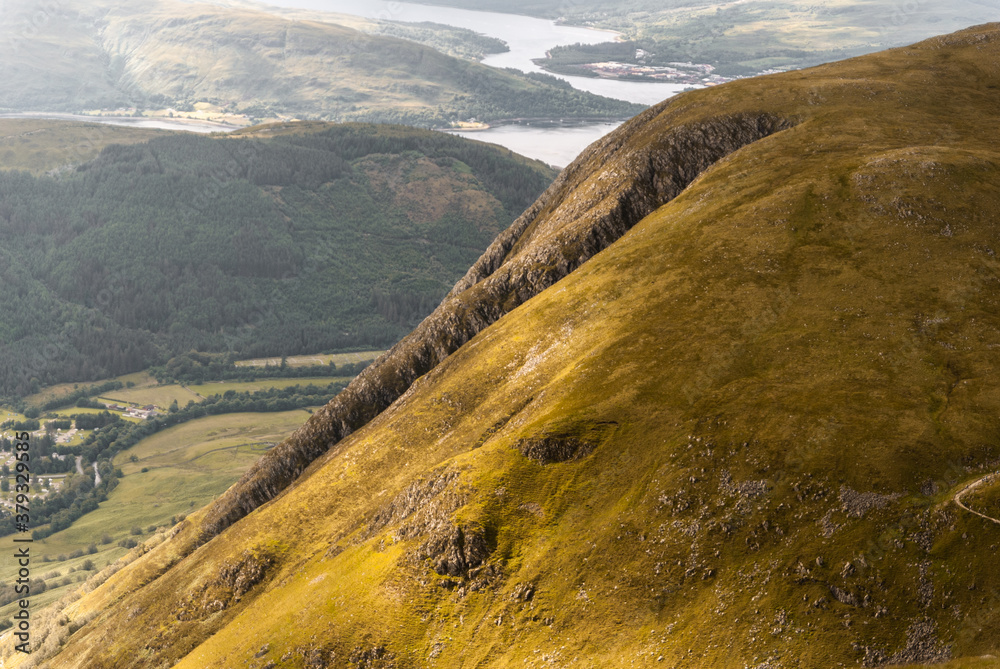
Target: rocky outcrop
x=547, y=450
x=235, y=579
x=422, y=506
x=922, y=647
x=607, y=190
x=453, y=550
x=858, y=504
x=570, y=443
x=424, y=509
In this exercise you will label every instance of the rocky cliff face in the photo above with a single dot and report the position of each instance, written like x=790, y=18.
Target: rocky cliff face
x=709, y=403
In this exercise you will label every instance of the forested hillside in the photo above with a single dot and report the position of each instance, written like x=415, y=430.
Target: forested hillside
x=295, y=242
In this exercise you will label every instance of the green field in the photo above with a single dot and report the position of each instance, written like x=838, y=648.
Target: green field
x=145, y=389
x=7, y=414
x=208, y=389
x=159, y=396
x=71, y=411
x=320, y=359
x=50, y=393
x=137, y=379
x=71, y=569
x=162, y=396
x=221, y=445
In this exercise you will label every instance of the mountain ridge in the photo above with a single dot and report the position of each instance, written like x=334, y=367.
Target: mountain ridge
x=461, y=317
x=748, y=414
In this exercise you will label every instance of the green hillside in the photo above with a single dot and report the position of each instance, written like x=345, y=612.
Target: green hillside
x=282, y=240
x=79, y=55
x=706, y=404
x=40, y=146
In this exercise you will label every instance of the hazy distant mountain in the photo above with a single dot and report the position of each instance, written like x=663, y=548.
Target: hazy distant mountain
x=748, y=36
x=84, y=55
x=711, y=401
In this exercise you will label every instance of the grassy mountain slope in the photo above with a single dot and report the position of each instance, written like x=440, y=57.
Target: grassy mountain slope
x=286, y=239
x=732, y=437
x=105, y=55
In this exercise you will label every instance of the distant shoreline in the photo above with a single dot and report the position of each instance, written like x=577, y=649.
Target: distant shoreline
x=540, y=122
x=152, y=122
x=196, y=125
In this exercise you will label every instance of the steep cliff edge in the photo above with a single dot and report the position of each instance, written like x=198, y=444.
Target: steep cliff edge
x=706, y=404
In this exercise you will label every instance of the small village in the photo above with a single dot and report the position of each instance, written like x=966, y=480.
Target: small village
x=695, y=74
x=145, y=412
x=43, y=485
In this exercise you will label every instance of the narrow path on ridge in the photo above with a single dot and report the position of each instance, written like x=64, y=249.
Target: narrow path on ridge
x=972, y=486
